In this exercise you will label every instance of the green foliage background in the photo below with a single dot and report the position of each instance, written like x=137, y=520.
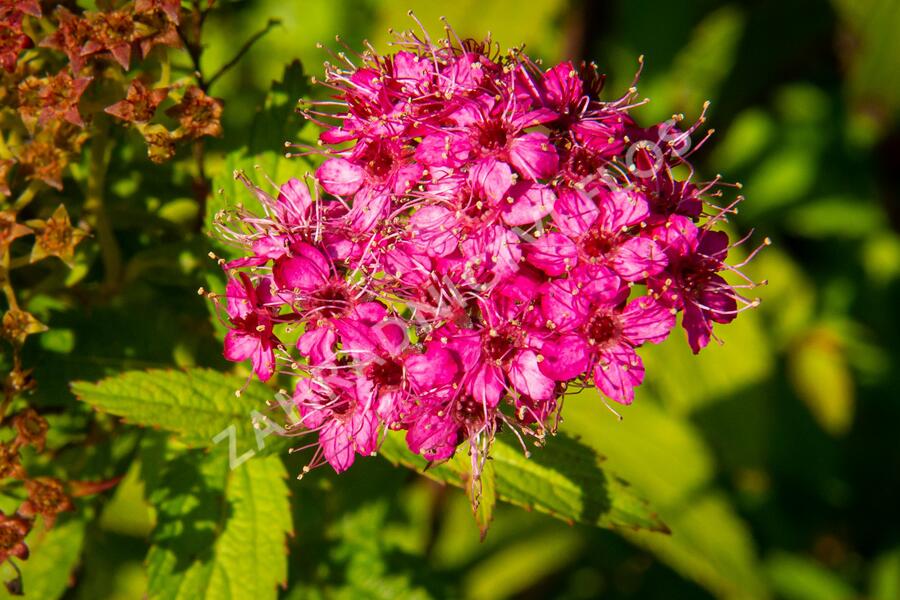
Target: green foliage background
x=773, y=459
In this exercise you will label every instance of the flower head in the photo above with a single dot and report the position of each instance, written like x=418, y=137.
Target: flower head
x=482, y=235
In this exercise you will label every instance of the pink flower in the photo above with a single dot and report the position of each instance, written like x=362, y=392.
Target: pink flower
x=345, y=425
x=604, y=337
x=252, y=319
x=692, y=283
x=484, y=235
x=608, y=233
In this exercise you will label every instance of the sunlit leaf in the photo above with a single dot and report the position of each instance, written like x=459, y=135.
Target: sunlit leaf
x=720, y=370
x=221, y=533
x=566, y=479
x=200, y=405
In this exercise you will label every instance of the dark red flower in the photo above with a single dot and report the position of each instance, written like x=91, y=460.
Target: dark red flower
x=13, y=530
x=139, y=104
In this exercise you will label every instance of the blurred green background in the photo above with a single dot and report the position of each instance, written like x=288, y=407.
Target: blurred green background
x=775, y=458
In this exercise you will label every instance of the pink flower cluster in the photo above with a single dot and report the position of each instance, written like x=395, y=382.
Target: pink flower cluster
x=491, y=234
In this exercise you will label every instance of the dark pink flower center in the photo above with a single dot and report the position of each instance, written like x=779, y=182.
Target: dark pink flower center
x=694, y=273
x=386, y=373
x=342, y=406
x=380, y=165
x=469, y=409
x=378, y=160
x=493, y=136
x=597, y=243
x=582, y=162
x=333, y=300
x=497, y=346
x=477, y=209
x=602, y=328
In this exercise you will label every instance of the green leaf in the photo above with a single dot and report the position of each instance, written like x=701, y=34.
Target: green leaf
x=875, y=60
x=278, y=121
x=366, y=556
x=819, y=372
x=565, y=480
x=798, y=578
x=701, y=67
x=221, y=533
x=516, y=566
x=197, y=404
x=884, y=581
x=717, y=373
x=846, y=217
x=709, y=544
x=748, y=136
x=54, y=555
x=483, y=497
x=665, y=459
x=127, y=511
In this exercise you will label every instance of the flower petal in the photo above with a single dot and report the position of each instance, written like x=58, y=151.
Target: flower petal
x=533, y=156
x=527, y=203
x=617, y=372
x=527, y=378
x=340, y=177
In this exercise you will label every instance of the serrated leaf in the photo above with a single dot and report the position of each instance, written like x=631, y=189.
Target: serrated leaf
x=278, y=121
x=197, y=404
x=54, y=555
x=565, y=480
x=221, y=533
x=369, y=562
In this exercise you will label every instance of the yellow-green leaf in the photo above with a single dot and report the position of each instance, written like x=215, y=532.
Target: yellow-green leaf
x=566, y=479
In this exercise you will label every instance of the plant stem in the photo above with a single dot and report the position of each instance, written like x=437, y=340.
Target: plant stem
x=27, y=195
x=244, y=49
x=165, y=75
x=5, y=283
x=94, y=207
x=201, y=183
x=5, y=152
